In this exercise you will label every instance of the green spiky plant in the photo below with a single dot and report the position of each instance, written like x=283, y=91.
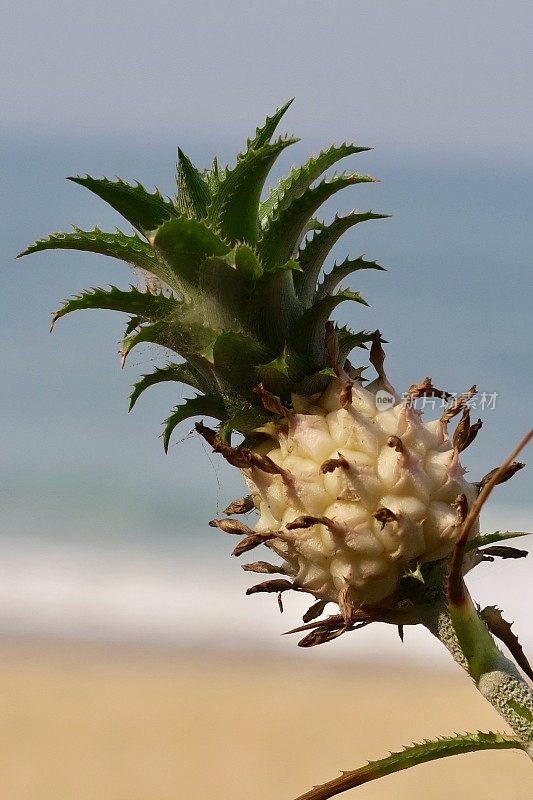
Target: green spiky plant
x=366, y=504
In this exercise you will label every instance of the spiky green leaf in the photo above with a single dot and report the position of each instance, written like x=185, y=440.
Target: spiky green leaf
x=411, y=757
x=201, y=405
x=247, y=263
x=244, y=420
x=238, y=309
x=316, y=250
x=276, y=375
x=309, y=333
x=292, y=265
x=180, y=373
x=185, y=244
x=181, y=332
x=130, y=249
x=224, y=295
x=143, y=209
x=235, y=356
x=341, y=271
x=490, y=538
x=317, y=382
x=277, y=309
x=282, y=235
x=194, y=194
x=144, y=305
x=214, y=176
x=502, y=629
x=235, y=206
x=132, y=325
x=300, y=178
x=348, y=340
x=264, y=134
x=158, y=333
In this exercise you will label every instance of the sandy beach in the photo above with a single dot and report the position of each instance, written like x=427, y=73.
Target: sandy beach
x=103, y=722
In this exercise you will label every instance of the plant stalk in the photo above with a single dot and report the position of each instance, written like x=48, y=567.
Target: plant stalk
x=495, y=676
x=454, y=619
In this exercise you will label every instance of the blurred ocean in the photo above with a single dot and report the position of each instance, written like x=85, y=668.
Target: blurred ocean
x=105, y=537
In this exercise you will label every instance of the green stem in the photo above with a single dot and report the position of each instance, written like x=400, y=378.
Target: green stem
x=467, y=638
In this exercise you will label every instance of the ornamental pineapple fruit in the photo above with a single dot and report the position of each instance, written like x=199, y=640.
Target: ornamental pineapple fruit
x=353, y=497
x=360, y=495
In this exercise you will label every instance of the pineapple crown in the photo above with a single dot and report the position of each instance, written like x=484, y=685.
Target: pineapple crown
x=232, y=282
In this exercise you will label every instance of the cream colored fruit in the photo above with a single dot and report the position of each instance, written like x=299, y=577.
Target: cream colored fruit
x=383, y=483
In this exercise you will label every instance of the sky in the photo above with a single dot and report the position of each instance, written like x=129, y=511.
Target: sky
x=438, y=77
x=442, y=91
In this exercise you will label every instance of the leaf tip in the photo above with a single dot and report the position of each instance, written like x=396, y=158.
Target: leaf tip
x=55, y=316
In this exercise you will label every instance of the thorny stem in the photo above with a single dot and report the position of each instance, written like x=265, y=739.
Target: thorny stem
x=497, y=678
x=411, y=757
x=452, y=617
x=456, y=622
